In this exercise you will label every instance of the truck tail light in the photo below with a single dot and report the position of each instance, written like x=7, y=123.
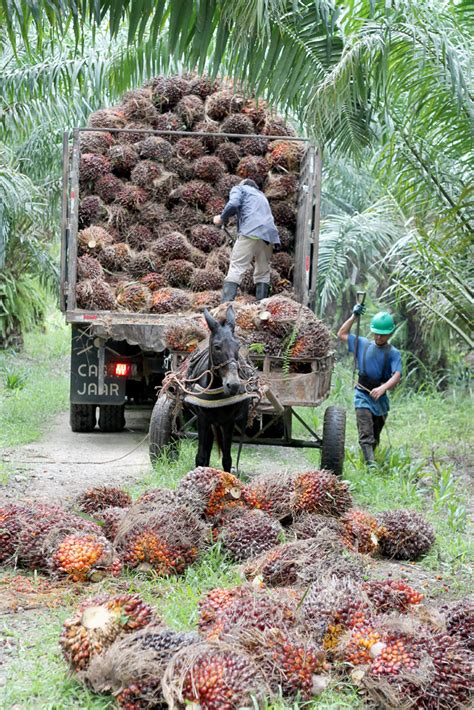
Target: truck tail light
x=122, y=369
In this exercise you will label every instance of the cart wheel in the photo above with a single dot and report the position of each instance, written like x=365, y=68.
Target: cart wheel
x=161, y=430
x=82, y=417
x=111, y=417
x=334, y=435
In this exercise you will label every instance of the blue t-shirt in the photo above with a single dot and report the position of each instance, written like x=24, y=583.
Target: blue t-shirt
x=374, y=361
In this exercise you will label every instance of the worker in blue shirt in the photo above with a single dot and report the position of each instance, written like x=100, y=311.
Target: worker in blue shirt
x=257, y=237
x=380, y=369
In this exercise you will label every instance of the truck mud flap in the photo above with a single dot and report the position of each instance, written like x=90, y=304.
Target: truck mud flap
x=85, y=373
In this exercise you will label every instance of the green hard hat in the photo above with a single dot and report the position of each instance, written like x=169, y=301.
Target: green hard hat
x=382, y=323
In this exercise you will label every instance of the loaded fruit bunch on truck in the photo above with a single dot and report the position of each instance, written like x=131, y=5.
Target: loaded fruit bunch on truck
x=141, y=258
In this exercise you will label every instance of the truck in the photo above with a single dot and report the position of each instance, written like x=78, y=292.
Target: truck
x=119, y=359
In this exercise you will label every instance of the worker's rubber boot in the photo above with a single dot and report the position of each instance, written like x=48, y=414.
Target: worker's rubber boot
x=229, y=291
x=368, y=452
x=262, y=290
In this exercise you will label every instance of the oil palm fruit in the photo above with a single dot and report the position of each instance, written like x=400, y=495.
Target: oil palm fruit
x=407, y=535
x=321, y=492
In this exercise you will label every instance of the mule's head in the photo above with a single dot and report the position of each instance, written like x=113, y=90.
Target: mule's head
x=224, y=351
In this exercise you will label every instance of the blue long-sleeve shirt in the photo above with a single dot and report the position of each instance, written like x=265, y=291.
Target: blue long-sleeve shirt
x=254, y=215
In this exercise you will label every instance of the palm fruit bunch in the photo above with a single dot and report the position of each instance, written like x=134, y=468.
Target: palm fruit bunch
x=153, y=281
x=320, y=492
x=186, y=336
x=178, y=272
x=279, y=566
x=11, y=517
x=95, y=295
x=392, y=595
x=312, y=340
x=280, y=315
x=208, y=491
x=250, y=534
x=169, y=300
x=206, y=237
x=133, y=297
x=407, y=535
x=237, y=612
x=94, y=499
x=165, y=538
x=271, y=493
x=98, y=622
x=460, y=621
x=205, y=299
x=89, y=268
x=219, y=259
x=308, y=525
x=91, y=209
x=283, y=263
x=132, y=667
x=205, y=280
x=83, y=557
x=361, y=531
x=284, y=214
x=110, y=519
x=138, y=237
x=92, y=166
x=293, y=663
x=160, y=496
x=212, y=677
x=147, y=180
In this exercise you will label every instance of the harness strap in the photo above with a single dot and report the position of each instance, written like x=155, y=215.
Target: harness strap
x=366, y=381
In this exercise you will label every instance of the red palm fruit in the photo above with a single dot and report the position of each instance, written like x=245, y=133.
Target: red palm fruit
x=206, y=237
x=96, y=142
x=189, y=148
x=139, y=237
x=321, y=492
x=153, y=281
x=313, y=338
x=155, y=148
x=167, y=91
x=406, y=535
x=107, y=118
x=218, y=679
x=92, y=166
x=285, y=154
x=222, y=103
x=292, y=663
x=94, y=499
x=171, y=246
x=460, y=621
x=123, y=158
x=254, y=146
x=361, y=531
x=271, y=493
x=237, y=123
x=169, y=300
x=89, y=268
x=205, y=299
x=392, y=595
x=133, y=297
x=400, y=652
x=208, y=126
x=91, y=210
x=196, y=193
x=361, y=639
x=250, y=534
x=132, y=196
x=190, y=110
x=283, y=263
x=94, y=295
x=139, y=108
x=108, y=186
x=162, y=496
x=203, y=86
x=276, y=126
x=84, y=556
x=284, y=214
x=186, y=336
x=308, y=525
x=213, y=605
x=205, y=280
x=209, y=490
x=253, y=167
x=98, y=622
x=226, y=183
x=178, y=272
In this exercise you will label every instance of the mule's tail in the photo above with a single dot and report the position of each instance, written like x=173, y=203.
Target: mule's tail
x=216, y=430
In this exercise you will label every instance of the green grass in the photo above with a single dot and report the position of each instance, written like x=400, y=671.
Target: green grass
x=420, y=466
x=25, y=410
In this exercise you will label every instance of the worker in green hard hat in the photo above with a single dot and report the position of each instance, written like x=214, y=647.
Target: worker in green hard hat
x=380, y=369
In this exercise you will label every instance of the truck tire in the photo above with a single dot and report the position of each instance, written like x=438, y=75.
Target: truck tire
x=334, y=435
x=111, y=417
x=82, y=417
x=161, y=430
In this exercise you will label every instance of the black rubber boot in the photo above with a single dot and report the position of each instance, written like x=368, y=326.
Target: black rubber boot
x=229, y=291
x=262, y=291
x=368, y=452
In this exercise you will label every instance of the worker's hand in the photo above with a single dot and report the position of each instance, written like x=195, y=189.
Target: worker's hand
x=217, y=220
x=358, y=310
x=377, y=392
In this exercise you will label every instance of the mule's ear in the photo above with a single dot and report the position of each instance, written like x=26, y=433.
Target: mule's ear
x=211, y=322
x=230, y=318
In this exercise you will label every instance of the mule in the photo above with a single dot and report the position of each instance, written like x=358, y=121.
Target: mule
x=219, y=399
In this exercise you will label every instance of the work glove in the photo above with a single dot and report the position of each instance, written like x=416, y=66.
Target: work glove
x=358, y=310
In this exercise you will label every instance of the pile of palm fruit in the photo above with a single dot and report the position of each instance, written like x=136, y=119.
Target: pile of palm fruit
x=146, y=241
x=310, y=611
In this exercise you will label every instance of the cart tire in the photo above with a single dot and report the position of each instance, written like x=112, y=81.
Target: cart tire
x=334, y=435
x=82, y=417
x=111, y=417
x=161, y=430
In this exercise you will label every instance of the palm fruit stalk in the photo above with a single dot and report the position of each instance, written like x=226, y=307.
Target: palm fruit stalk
x=98, y=622
x=309, y=525
x=93, y=239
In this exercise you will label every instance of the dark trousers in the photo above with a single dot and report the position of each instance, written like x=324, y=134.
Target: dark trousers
x=369, y=426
